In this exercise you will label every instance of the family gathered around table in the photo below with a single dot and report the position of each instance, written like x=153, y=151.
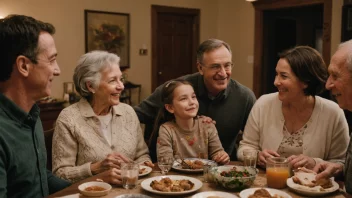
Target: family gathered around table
x=211, y=137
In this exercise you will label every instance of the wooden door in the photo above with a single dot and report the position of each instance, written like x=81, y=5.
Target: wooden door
x=175, y=38
x=261, y=67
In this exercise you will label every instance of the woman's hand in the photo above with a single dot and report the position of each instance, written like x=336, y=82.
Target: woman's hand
x=149, y=163
x=112, y=176
x=264, y=154
x=221, y=157
x=301, y=160
x=112, y=160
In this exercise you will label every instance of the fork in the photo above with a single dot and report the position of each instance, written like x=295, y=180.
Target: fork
x=182, y=162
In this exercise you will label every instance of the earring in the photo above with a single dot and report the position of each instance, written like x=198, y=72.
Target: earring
x=93, y=92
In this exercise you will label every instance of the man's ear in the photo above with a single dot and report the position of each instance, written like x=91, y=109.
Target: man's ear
x=22, y=65
x=169, y=108
x=200, y=68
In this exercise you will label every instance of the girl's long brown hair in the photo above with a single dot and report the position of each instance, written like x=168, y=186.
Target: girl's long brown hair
x=167, y=95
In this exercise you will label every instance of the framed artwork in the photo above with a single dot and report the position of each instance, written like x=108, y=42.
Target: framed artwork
x=109, y=31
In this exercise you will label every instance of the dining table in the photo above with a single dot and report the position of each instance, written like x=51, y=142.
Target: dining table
x=260, y=181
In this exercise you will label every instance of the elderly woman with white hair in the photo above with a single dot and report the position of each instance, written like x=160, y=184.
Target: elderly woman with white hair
x=97, y=133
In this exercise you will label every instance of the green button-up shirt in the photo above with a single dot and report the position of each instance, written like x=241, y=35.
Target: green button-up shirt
x=23, y=160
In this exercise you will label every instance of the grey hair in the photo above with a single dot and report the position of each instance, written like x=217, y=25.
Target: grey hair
x=89, y=69
x=210, y=45
x=348, y=45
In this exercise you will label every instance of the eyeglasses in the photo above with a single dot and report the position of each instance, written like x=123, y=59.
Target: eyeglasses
x=217, y=67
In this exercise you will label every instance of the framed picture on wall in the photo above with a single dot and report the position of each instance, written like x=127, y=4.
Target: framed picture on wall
x=109, y=31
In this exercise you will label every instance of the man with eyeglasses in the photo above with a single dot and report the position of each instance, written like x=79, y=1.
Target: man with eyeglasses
x=28, y=66
x=221, y=98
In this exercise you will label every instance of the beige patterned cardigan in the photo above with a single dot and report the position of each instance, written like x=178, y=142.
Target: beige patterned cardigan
x=78, y=140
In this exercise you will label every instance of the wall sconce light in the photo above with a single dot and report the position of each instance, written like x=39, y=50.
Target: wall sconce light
x=143, y=51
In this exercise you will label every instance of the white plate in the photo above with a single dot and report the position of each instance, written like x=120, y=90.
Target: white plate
x=146, y=184
x=146, y=171
x=132, y=196
x=304, y=190
x=83, y=186
x=177, y=166
x=214, y=193
x=250, y=191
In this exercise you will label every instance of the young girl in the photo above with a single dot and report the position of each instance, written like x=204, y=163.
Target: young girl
x=185, y=134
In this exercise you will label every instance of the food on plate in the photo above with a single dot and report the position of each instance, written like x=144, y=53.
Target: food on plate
x=306, y=177
x=168, y=185
x=235, y=173
x=214, y=197
x=94, y=188
x=263, y=193
x=196, y=164
x=142, y=170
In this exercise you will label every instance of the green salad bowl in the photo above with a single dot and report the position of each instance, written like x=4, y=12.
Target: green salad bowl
x=226, y=177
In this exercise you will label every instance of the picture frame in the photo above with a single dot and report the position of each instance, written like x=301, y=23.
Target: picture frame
x=109, y=31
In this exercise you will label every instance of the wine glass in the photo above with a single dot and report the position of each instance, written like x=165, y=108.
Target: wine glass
x=165, y=164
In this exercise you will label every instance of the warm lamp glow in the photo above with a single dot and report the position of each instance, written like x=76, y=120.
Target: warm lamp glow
x=251, y=0
x=1, y=17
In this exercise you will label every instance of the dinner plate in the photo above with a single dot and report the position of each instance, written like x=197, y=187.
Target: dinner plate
x=315, y=191
x=250, y=191
x=132, y=196
x=177, y=166
x=146, y=184
x=146, y=171
x=214, y=194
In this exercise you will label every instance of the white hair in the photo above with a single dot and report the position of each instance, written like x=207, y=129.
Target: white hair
x=348, y=46
x=89, y=69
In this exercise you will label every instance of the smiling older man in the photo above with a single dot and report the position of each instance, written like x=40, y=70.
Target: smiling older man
x=220, y=97
x=340, y=85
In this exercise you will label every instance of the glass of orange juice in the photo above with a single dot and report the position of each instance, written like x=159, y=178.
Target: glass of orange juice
x=277, y=172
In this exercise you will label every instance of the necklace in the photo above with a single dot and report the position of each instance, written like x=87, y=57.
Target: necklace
x=105, y=120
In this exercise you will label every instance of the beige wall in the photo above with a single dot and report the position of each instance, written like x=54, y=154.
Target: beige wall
x=68, y=18
x=229, y=20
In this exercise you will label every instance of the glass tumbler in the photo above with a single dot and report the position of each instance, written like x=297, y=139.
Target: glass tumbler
x=277, y=172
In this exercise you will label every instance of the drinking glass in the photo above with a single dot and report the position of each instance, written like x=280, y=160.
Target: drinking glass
x=129, y=174
x=207, y=172
x=277, y=172
x=250, y=157
x=165, y=164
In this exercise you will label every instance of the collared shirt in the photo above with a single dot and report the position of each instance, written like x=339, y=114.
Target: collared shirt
x=78, y=141
x=22, y=152
x=230, y=109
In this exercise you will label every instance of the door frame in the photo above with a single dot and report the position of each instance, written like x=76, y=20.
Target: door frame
x=264, y=5
x=156, y=9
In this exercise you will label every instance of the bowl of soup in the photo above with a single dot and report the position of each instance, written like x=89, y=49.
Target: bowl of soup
x=94, y=189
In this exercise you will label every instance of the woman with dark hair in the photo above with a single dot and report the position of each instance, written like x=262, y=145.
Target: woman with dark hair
x=294, y=122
